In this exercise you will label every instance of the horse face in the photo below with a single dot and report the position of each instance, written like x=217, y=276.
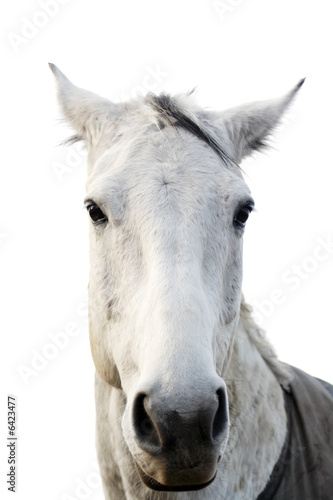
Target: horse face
x=167, y=218
x=165, y=286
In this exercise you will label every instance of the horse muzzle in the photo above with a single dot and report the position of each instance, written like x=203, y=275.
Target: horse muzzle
x=153, y=484
x=179, y=448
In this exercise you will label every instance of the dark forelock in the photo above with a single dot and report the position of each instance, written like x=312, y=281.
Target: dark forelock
x=171, y=114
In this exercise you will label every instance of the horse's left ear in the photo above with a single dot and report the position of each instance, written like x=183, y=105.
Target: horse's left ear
x=84, y=110
x=249, y=125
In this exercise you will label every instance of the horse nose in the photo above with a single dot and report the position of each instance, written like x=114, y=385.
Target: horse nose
x=160, y=429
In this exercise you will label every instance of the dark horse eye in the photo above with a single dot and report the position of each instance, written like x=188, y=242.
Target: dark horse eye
x=96, y=214
x=242, y=215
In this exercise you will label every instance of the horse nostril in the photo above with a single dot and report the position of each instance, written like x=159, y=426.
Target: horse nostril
x=220, y=421
x=144, y=426
x=147, y=426
x=159, y=429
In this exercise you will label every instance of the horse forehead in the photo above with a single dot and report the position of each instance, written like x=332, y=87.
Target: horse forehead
x=186, y=166
x=172, y=157
x=176, y=155
x=179, y=149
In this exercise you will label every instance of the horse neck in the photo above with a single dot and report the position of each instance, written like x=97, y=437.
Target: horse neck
x=257, y=415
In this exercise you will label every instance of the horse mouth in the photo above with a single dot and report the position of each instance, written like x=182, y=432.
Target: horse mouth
x=153, y=484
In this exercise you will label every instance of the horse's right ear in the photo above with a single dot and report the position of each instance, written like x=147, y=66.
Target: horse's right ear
x=84, y=110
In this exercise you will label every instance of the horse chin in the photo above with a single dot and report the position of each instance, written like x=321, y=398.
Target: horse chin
x=153, y=484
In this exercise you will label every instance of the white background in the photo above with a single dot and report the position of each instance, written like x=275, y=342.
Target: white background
x=246, y=50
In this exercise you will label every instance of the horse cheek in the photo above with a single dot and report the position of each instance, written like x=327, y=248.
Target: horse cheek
x=103, y=361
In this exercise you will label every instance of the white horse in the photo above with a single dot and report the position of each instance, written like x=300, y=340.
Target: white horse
x=189, y=393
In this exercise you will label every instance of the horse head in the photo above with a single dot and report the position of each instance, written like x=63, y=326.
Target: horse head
x=168, y=206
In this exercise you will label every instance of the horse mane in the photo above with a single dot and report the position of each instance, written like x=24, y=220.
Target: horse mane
x=172, y=112
x=259, y=338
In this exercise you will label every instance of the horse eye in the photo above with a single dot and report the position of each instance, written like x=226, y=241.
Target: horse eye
x=242, y=215
x=96, y=214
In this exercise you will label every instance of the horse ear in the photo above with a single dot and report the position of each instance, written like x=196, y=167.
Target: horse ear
x=84, y=110
x=249, y=125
